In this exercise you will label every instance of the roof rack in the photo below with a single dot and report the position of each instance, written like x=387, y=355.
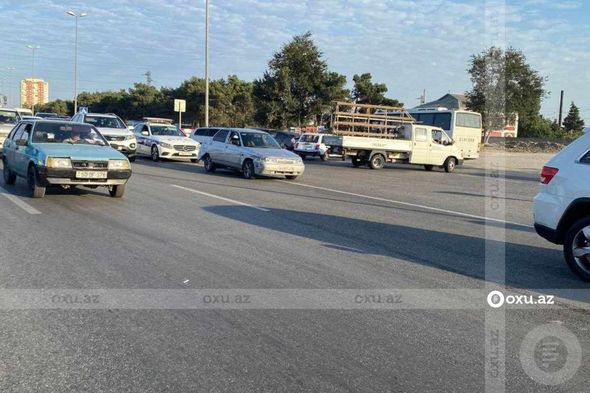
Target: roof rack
x=159, y=120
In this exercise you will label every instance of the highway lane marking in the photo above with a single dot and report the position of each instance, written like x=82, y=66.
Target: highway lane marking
x=19, y=202
x=424, y=207
x=221, y=198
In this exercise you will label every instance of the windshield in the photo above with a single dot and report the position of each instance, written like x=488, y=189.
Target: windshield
x=309, y=138
x=74, y=134
x=104, y=122
x=165, y=131
x=8, y=117
x=259, y=140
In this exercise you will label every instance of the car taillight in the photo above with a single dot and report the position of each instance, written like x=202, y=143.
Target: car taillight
x=547, y=173
x=317, y=146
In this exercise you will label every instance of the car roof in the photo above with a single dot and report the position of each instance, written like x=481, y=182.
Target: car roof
x=101, y=114
x=53, y=121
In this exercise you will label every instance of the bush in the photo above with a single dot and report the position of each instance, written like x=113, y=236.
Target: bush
x=540, y=127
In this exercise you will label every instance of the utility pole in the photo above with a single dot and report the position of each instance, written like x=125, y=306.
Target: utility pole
x=206, y=63
x=148, y=77
x=560, y=109
x=77, y=16
x=33, y=48
x=9, y=93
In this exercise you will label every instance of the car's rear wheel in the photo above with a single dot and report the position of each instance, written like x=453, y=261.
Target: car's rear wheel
x=32, y=179
x=9, y=176
x=377, y=161
x=131, y=158
x=155, y=153
x=303, y=156
x=248, y=169
x=209, y=165
x=291, y=177
x=194, y=160
x=117, y=191
x=450, y=164
x=576, y=248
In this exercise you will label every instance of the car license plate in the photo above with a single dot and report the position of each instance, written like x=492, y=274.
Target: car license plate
x=91, y=175
x=185, y=154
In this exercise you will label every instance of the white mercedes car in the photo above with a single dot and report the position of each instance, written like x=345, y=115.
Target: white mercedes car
x=162, y=140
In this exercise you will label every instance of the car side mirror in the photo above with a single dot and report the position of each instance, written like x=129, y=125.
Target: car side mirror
x=145, y=133
x=21, y=142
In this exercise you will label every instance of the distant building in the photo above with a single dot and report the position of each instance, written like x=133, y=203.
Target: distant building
x=449, y=101
x=33, y=91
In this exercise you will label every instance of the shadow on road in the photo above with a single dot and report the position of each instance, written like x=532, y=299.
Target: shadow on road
x=526, y=267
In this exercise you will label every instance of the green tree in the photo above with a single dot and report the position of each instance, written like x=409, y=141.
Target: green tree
x=573, y=121
x=505, y=85
x=61, y=107
x=297, y=87
x=367, y=92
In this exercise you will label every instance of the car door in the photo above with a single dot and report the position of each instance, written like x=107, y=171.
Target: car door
x=217, y=146
x=142, y=139
x=421, y=144
x=21, y=153
x=10, y=145
x=233, y=150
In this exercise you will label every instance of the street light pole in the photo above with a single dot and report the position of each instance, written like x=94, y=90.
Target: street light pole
x=9, y=87
x=33, y=48
x=83, y=14
x=206, y=63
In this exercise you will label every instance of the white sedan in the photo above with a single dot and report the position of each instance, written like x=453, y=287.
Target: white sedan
x=164, y=141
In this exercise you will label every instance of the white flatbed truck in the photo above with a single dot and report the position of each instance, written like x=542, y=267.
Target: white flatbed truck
x=365, y=141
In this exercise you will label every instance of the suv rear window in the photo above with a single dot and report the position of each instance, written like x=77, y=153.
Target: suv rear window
x=585, y=158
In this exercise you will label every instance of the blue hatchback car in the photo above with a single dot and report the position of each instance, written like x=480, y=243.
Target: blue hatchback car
x=59, y=153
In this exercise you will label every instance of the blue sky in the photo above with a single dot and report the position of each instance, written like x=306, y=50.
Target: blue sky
x=409, y=45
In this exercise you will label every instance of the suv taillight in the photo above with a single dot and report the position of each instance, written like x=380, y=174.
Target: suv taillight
x=547, y=173
x=317, y=146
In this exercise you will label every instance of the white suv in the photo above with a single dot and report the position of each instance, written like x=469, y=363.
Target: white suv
x=113, y=129
x=562, y=206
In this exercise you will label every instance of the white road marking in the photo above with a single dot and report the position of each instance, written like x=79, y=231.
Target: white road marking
x=436, y=209
x=19, y=202
x=221, y=198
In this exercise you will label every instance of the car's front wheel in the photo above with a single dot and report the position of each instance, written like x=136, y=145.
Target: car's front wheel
x=450, y=164
x=9, y=176
x=194, y=160
x=291, y=177
x=32, y=179
x=117, y=191
x=248, y=169
x=155, y=153
x=576, y=248
x=131, y=158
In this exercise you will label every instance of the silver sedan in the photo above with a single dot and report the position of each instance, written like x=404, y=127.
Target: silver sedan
x=253, y=152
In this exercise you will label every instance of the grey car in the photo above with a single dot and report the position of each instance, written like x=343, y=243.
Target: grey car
x=253, y=152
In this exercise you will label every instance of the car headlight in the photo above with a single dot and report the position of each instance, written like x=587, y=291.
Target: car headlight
x=129, y=137
x=166, y=145
x=117, y=165
x=57, y=162
x=270, y=160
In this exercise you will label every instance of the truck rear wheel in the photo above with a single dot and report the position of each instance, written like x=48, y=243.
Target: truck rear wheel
x=450, y=164
x=377, y=161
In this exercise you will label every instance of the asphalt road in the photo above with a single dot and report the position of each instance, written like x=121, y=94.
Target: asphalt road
x=336, y=228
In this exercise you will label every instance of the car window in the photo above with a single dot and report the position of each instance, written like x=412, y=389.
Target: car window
x=220, y=136
x=585, y=158
x=26, y=132
x=232, y=139
x=212, y=131
x=309, y=138
x=8, y=117
x=104, y=121
x=421, y=134
x=67, y=133
x=18, y=132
